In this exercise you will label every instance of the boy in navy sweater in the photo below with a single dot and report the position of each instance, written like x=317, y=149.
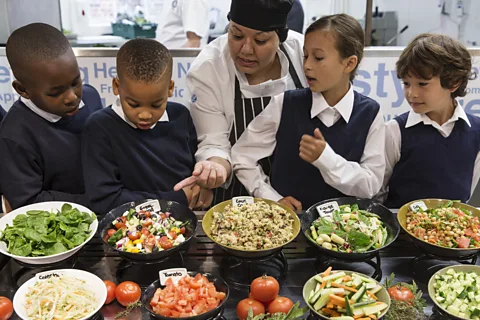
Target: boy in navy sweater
x=432, y=151
x=40, y=135
x=142, y=145
x=327, y=140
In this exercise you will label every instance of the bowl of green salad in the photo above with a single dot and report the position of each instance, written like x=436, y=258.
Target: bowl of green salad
x=349, y=228
x=455, y=290
x=47, y=232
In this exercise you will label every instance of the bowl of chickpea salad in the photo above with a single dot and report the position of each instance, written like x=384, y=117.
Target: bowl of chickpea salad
x=444, y=228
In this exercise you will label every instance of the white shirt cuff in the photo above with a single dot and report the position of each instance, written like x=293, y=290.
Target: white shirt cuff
x=268, y=193
x=206, y=154
x=326, y=160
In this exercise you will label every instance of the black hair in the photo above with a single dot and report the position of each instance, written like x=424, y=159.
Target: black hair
x=144, y=60
x=35, y=43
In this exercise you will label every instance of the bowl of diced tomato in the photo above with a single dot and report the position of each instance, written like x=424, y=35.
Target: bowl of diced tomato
x=196, y=296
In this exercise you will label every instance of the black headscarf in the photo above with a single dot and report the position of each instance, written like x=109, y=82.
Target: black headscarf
x=263, y=15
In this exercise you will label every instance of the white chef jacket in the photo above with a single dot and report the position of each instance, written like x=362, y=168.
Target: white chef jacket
x=180, y=17
x=394, y=143
x=362, y=179
x=211, y=81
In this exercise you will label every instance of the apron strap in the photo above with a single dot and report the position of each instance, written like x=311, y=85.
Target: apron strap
x=291, y=69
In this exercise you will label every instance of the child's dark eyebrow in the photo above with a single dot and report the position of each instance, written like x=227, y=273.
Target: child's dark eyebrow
x=62, y=87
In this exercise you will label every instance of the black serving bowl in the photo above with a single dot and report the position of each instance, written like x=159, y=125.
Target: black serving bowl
x=387, y=217
x=218, y=282
x=178, y=211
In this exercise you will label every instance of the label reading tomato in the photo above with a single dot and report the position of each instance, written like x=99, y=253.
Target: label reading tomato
x=175, y=274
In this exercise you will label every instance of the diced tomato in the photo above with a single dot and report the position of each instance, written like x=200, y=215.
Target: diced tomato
x=468, y=232
x=173, y=234
x=148, y=222
x=189, y=297
x=182, y=230
x=163, y=312
x=163, y=216
x=145, y=231
x=463, y=242
x=120, y=225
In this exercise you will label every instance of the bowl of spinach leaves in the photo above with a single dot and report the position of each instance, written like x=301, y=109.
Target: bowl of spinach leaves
x=47, y=232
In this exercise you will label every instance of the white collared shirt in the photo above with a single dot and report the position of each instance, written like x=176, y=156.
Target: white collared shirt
x=211, y=81
x=117, y=107
x=362, y=179
x=394, y=143
x=50, y=117
x=180, y=17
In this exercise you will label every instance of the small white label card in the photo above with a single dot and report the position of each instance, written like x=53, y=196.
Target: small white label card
x=327, y=209
x=149, y=206
x=416, y=206
x=175, y=274
x=240, y=201
x=47, y=275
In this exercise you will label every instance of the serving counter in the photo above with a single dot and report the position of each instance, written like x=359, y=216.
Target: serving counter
x=203, y=255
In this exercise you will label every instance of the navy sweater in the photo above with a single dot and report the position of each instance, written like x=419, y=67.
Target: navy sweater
x=432, y=166
x=291, y=175
x=2, y=113
x=123, y=164
x=41, y=160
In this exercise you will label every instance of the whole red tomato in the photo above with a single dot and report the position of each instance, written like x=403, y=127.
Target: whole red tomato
x=127, y=292
x=401, y=293
x=110, y=291
x=280, y=304
x=264, y=288
x=6, y=308
x=244, y=305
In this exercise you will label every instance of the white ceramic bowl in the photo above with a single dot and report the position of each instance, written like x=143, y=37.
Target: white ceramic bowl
x=47, y=206
x=93, y=282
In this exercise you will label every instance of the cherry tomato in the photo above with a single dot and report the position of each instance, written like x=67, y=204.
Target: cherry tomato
x=280, y=304
x=110, y=291
x=244, y=305
x=145, y=231
x=111, y=232
x=120, y=225
x=165, y=243
x=163, y=216
x=134, y=235
x=400, y=293
x=264, y=288
x=6, y=308
x=127, y=292
x=182, y=230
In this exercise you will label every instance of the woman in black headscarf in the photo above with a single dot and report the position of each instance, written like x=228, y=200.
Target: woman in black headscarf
x=231, y=82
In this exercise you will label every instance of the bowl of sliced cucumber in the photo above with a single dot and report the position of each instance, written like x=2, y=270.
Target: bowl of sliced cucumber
x=455, y=290
x=345, y=295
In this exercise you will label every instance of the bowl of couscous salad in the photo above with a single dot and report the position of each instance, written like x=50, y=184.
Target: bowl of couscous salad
x=252, y=230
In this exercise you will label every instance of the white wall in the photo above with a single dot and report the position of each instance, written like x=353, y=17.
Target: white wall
x=4, y=28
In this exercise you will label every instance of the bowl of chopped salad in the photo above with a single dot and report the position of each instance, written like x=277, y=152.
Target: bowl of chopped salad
x=196, y=296
x=46, y=232
x=444, y=228
x=349, y=228
x=456, y=291
x=148, y=230
x=346, y=295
